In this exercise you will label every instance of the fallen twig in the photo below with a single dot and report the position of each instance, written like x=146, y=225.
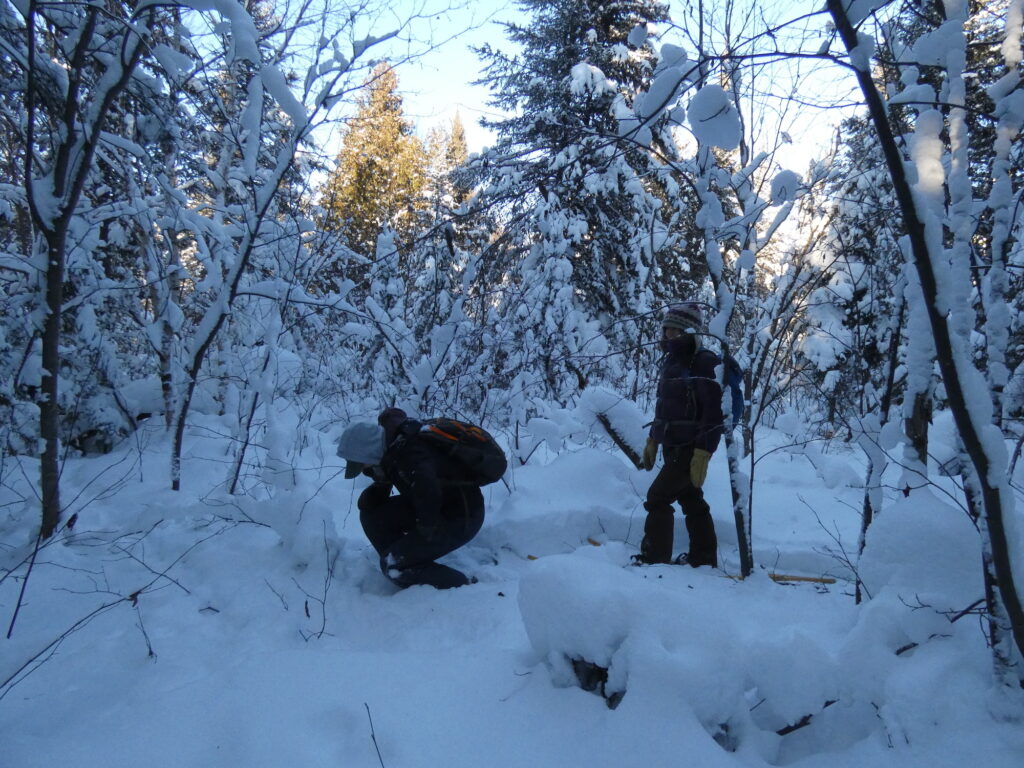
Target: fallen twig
x=373, y=735
x=803, y=721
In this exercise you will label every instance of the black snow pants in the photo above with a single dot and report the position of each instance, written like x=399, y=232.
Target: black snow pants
x=672, y=484
x=406, y=556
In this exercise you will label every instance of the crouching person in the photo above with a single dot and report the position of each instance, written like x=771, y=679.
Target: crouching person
x=438, y=508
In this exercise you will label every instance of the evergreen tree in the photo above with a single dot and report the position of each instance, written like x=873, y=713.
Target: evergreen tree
x=380, y=175
x=456, y=153
x=571, y=195
x=448, y=183
x=864, y=246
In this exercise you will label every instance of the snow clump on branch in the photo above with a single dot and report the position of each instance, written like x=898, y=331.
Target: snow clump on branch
x=588, y=79
x=714, y=119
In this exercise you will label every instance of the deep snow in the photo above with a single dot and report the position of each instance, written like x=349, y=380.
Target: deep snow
x=261, y=659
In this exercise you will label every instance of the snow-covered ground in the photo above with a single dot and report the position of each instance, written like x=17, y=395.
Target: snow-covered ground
x=258, y=632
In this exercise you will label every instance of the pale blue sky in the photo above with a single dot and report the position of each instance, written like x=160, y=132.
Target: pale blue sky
x=439, y=83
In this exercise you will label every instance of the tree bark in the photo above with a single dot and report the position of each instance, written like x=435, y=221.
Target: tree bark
x=916, y=426
x=49, y=406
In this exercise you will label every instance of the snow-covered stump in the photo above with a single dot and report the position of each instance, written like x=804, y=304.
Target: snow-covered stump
x=764, y=670
x=662, y=655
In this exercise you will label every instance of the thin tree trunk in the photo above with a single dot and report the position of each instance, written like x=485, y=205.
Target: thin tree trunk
x=51, y=214
x=247, y=429
x=739, y=485
x=1000, y=639
x=916, y=426
x=220, y=310
x=49, y=407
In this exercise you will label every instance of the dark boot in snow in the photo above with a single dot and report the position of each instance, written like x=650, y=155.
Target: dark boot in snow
x=653, y=550
x=696, y=560
x=644, y=559
x=431, y=574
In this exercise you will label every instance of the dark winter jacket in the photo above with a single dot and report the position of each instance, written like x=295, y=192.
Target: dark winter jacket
x=689, y=406
x=419, y=472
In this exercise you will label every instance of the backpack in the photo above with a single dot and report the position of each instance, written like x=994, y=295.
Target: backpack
x=734, y=380
x=470, y=445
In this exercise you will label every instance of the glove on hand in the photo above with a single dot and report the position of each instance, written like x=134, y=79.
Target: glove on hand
x=650, y=454
x=699, y=467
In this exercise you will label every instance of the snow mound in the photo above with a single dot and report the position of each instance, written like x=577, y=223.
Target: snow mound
x=665, y=644
x=924, y=547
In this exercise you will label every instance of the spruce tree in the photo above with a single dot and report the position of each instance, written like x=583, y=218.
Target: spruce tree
x=864, y=244
x=572, y=195
x=456, y=153
x=380, y=174
x=448, y=184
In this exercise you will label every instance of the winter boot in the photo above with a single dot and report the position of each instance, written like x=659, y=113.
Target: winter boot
x=695, y=560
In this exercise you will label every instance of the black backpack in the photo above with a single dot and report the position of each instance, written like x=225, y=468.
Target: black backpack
x=471, y=445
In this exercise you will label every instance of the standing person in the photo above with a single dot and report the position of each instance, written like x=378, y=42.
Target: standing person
x=687, y=425
x=437, y=510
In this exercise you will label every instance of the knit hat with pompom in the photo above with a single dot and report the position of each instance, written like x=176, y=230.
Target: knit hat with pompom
x=686, y=316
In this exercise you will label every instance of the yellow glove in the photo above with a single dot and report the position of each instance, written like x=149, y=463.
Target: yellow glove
x=699, y=467
x=650, y=454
